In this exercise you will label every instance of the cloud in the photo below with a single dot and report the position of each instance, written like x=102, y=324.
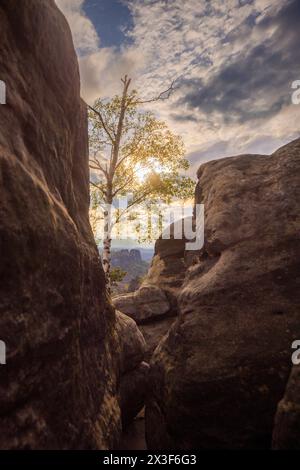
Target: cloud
x=255, y=83
x=85, y=37
x=101, y=68
x=234, y=61
x=101, y=71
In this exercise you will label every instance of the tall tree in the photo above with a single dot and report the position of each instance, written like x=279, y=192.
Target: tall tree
x=131, y=151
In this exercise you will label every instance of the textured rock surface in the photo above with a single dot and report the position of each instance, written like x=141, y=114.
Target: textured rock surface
x=218, y=376
x=153, y=333
x=151, y=309
x=168, y=266
x=154, y=304
x=146, y=303
x=133, y=371
x=58, y=388
x=132, y=342
x=133, y=391
x=286, y=433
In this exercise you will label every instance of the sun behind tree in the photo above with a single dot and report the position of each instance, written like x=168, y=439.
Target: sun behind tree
x=131, y=151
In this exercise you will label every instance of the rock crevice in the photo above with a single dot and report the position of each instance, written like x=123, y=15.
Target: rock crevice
x=60, y=387
x=217, y=376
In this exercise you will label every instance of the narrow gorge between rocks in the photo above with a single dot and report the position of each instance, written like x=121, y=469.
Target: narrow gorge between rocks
x=199, y=357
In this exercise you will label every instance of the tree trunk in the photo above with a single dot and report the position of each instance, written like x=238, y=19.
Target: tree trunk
x=109, y=192
x=106, y=257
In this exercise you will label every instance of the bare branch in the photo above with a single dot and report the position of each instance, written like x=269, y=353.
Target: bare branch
x=125, y=80
x=96, y=165
x=122, y=160
x=160, y=97
x=98, y=187
x=128, y=181
x=103, y=123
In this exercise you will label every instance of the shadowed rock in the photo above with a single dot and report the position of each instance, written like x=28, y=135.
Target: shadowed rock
x=132, y=343
x=133, y=371
x=133, y=391
x=286, y=433
x=144, y=304
x=217, y=377
x=154, y=304
x=60, y=386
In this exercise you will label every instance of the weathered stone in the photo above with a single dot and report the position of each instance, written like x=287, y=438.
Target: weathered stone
x=154, y=305
x=153, y=333
x=165, y=248
x=168, y=273
x=133, y=371
x=59, y=386
x=217, y=377
x=133, y=390
x=146, y=303
x=133, y=345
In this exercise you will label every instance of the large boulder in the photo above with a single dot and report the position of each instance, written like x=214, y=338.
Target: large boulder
x=132, y=343
x=151, y=308
x=146, y=303
x=154, y=332
x=133, y=369
x=168, y=266
x=154, y=305
x=218, y=376
x=133, y=391
x=58, y=388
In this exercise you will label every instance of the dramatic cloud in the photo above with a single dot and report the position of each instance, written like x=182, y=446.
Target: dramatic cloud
x=101, y=71
x=85, y=37
x=234, y=61
x=100, y=67
x=255, y=82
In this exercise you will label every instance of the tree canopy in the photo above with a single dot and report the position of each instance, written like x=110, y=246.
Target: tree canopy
x=133, y=153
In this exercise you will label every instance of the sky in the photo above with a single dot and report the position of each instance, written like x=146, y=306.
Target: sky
x=234, y=62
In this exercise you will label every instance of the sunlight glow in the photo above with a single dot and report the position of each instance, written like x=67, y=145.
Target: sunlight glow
x=143, y=172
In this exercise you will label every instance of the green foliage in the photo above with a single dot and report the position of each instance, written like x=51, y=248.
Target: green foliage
x=117, y=275
x=150, y=158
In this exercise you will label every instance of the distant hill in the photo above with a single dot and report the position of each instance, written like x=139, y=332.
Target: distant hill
x=135, y=262
x=147, y=254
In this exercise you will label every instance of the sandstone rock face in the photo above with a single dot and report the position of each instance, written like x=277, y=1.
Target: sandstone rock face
x=146, y=303
x=154, y=332
x=154, y=305
x=133, y=391
x=151, y=308
x=168, y=266
x=133, y=371
x=59, y=388
x=286, y=433
x=218, y=376
x=132, y=343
